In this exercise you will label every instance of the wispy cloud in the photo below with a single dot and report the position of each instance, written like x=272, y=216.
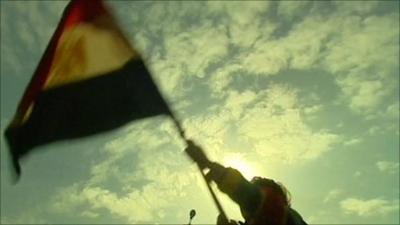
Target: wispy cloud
x=352, y=141
x=348, y=8
x=220, y=81
x=89, y=214
x=332, y=194
x=388, y=166
x=392, y=111
x=22, y=219
x=290, y=10
x=357, y=174
x=242, y=16
x=369, y=207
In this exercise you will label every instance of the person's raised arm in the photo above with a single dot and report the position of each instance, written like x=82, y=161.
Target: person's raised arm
x=229, y=180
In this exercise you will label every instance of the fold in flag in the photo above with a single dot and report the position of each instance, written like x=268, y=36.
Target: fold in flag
x=89, y=80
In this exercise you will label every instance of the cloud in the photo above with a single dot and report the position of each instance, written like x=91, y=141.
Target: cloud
x=289, y=10
x=392, y=111
x=135, y=181
x=332, y=194
x=364, y=95
x=237, y=102
x=392, y=115
x=300, y=49
x=370, y=207
x=277, y=130
x=130, y=143
x=388, y=167
x=243, y=13
x=357, y=174
x=360, y=47
x=350, y=47
x=134, y=205
x=240, y=16
x=203, y=45
x=269, y=123
x=179, y=43
x=89, y=214
x=23, y=218
x=352, y=141
x=360, y=7
x=363, y=61
x=267, y=59
x=221, y=79
x=312, y=109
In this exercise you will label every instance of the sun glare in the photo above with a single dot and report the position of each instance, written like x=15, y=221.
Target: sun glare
x=237, y=162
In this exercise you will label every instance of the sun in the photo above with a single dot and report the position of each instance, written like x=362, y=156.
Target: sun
x=237, y=162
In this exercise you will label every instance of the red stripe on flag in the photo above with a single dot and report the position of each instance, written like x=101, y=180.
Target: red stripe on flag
x=84, y=11
x=76, y=12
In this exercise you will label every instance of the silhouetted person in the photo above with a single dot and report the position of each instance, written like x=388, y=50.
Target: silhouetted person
x=261, y=201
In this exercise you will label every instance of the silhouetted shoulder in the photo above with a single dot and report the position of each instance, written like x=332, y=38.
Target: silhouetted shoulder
x=295, y=218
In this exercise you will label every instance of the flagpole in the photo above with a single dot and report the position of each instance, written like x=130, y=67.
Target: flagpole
x=214, y=197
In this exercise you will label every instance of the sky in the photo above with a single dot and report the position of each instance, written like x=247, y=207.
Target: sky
x=305, y=93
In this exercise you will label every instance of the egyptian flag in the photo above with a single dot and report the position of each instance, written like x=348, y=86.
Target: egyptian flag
x=89, y=80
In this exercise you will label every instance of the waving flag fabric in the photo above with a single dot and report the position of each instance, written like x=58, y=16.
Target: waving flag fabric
x=89, y=80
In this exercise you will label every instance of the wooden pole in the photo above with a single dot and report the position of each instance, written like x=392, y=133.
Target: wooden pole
x=214, y=197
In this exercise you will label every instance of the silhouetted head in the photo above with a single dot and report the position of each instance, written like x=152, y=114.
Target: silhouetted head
x=276, y=186
x=274, y=206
